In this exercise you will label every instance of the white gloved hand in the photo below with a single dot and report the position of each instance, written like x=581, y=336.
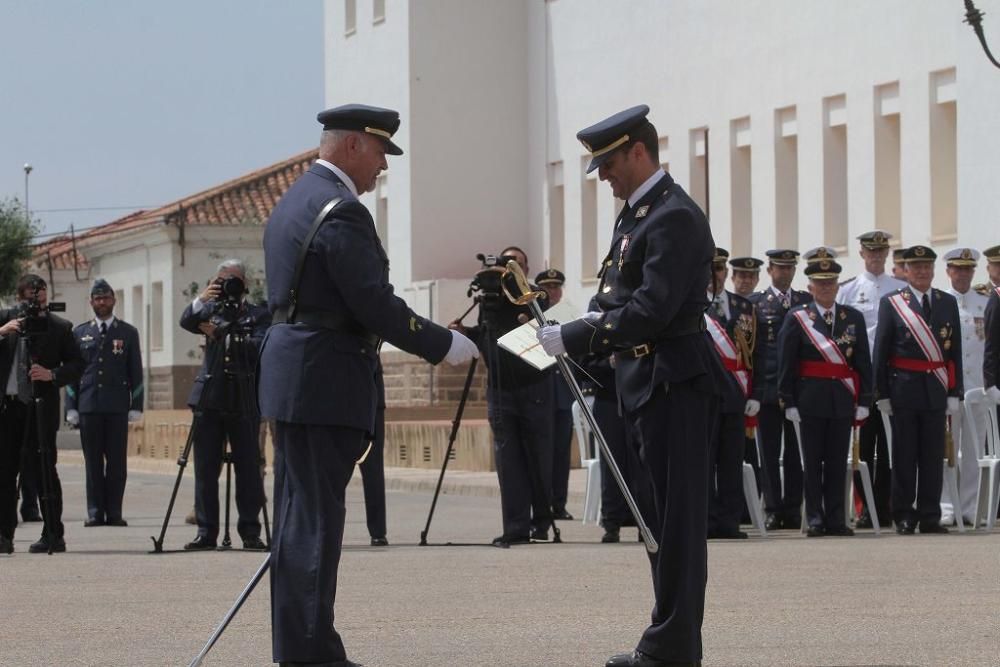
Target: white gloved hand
x=954, y=406
x=792, y=415
x=550, y=337
x=752, y=408
x=462, y=349
x=134, y=415
x=72, y=417
x=993, y=394
x=860, y=413
x=884, y=405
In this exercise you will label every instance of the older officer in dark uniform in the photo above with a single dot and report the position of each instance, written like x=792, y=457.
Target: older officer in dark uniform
x=733, y=328
x=107, y=397
x=825, y=383
x=781, y=504
x=328, y=288
x=222, y=399
x=652, y=299
x=918, y=380
x=37, y=354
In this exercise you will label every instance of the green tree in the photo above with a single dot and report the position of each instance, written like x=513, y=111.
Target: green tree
x=16, y=232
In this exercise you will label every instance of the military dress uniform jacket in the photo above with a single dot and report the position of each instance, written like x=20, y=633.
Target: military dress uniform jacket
x=251, y=318
x=863, y=292
x=346, y=274
x=917, y=390
x=972, y=313
x=772, y=312
x=739, y=325
x=112, y=381
x=817, y=396
x=991, y=348
x=653, y=299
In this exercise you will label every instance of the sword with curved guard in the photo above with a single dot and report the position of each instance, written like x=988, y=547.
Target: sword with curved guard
x=529, y=298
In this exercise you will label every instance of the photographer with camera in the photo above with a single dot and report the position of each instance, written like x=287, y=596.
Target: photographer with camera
x=38, y=354
x=108, y=396
x=224, y=403
x=520, y=405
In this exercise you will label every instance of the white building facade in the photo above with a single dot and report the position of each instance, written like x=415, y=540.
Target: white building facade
x=793, y=124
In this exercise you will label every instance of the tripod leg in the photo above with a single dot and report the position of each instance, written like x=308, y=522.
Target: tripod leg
x=227, y=457
x=232, y=611
x=181, y=464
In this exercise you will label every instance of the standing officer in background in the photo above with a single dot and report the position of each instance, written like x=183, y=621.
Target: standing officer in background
x=107, y=397
x=961, y=267
x=733, y=328
x=222, y=400
x=992, y=255
x=899, y=265
x=327, y=277
x=746, y=275
x=652, y=305
x=918, y=379
x=825, y=384
x=38, y=354
x=772, y=305
x=863, y=293
x=551, y=281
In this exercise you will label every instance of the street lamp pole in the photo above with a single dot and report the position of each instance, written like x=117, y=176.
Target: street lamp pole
x=27, y=209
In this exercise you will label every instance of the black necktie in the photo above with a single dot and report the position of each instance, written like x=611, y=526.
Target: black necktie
x=925, y=303
x=104, y=329
x=621, y=214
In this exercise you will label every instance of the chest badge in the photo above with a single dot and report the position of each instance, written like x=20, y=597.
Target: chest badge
x=626, y=239
x=117, y=346
x=86, y=339
x=641, y=212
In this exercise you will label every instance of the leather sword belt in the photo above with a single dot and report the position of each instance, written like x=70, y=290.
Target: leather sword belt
x=685, y=325
x=924, y=366
x=326, y=319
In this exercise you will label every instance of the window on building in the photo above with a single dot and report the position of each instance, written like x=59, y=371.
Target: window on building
x=378, y=11
x=588, y=222
x=786, y=178
x=557, y=218
x=943, y=157
x=698, y=187
x=888, y=194
x=382, y=209
x=156, y=317
x=741, y=198
x=138, y=312
x=664, y=149
x=350, y=17
x=835, y=171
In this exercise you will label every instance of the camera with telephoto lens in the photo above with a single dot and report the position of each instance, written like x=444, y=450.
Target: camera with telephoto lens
x=486, y=287
x=33, y=315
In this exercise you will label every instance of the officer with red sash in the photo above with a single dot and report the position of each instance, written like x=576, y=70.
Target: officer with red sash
x=825, y=383
x=918, y=381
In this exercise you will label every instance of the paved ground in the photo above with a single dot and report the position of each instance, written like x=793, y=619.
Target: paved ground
x=784, y=600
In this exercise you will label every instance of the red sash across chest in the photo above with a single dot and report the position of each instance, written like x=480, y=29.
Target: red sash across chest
x=933, y=360
x=834, y=366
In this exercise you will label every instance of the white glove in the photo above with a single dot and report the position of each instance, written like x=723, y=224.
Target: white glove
x=954, y=406
x=860, y=413
x=550, y=336
x=72, y=417
x=993, y=394
x=884, y=405
x=462, y=349
x=593, y=315
x=134, y=415
x=792, y=415
x=752, y=408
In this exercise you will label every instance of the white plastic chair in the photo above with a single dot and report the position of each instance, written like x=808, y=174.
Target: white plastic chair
x=752, y=496
x=988, y=495
x=951, y=474
x=591, y=466
x=866, y=485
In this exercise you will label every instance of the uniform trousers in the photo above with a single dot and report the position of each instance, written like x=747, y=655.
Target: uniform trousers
x=917, y=464
x=826, y=442
x=614, y=510
x=105, y=443
x=312, y=466
x=781, y=498
x=674, y=429
x=373, y=479
x=19, y=445
x=874, y=450
x=521, y=420
x=562, y=438
x=725, y=500
x=968, y=449
x=213, y=428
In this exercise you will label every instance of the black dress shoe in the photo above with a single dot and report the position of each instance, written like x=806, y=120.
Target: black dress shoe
x=815, y=531
x=380, y=541
x=639, y=659
x=792, y=522
x=540, y=535
x=772, y=522
x=254, y=543
x=31, y=517
x=612, y=535
x=839, y=531
x=905, y=527
x=119, y=522
x=339, y=663
x=42, y=546
x=90, y=523
x=200, y=543
x=561, y=514
x=507, y=540
x=6, y=545
x=932, y=527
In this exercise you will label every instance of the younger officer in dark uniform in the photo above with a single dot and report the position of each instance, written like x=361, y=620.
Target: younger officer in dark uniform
x=332, y=303
x=781, y=504
x=918, y=380
x=746, y=275
x=551, y=281
x=825, y=383
x=652, y=299
x=732, y=326
x=41, y=362
x=222, y=399
x=107, y=397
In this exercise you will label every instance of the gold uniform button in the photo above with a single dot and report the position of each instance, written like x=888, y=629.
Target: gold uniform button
x=608, y=263
x=607, y=288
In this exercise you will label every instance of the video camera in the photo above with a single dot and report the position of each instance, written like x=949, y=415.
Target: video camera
x=486, y=287
x=33, y=314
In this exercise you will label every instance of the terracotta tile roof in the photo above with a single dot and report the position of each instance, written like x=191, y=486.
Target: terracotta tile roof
x=246, y=200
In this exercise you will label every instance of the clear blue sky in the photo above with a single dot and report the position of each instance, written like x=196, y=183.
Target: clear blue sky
x=141, y=103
